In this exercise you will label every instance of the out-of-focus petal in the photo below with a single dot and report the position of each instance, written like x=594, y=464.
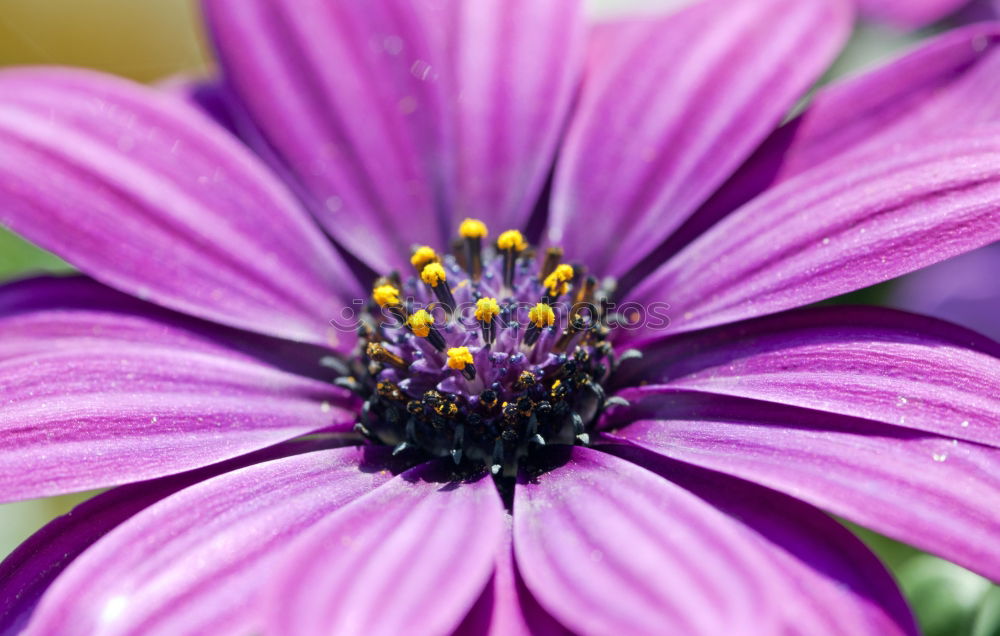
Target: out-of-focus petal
x=199, y=561
x=946, y=84
x=909, y=14
x=964, y=289
x=844, y=588
x=609, y=547
x=936, y=493
x=506, y=607
x=399, y=117
x=416, y=552
x=671, y=107
x=208, y=95
x=96, y=392
x=141, y=191
x=28, y=571
x=847, y=224
x=883, y=365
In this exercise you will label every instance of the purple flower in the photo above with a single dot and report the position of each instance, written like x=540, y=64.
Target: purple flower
x=914, y=14
x=286, y=476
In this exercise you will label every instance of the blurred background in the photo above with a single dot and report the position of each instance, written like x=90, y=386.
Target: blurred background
x=148, y=40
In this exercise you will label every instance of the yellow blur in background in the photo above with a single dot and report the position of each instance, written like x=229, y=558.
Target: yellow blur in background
x=146, y=40
x=142, y=39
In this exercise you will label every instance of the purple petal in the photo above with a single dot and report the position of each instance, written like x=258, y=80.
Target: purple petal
x=964, y=289
x=879, y=364
x=506, y=606
x=199, y=560
x=416, y=552
x=98, y=396
x=847, y=224
x=671, y=107
x=909, y=14
x=139, y=190
x=946, y=84
x=209, y=96
x=938, y=494
x=36, y=563
x=843, y=588
x=609, y=547
x=398, y=118
x=40, y=315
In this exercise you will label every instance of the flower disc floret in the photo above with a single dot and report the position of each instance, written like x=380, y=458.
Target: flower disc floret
x=489, y=385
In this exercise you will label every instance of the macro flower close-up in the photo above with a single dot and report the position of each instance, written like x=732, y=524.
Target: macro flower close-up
x=484, y=316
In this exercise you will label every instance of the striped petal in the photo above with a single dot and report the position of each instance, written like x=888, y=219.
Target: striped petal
x=882, y=365
x=936, y=493
x=609, y=547
x=424, y=542
x=100, y=389
x=27, y=572
x=397, y=118
x=141, y=191
x=946, y=84
x=843, y=587
x=844, y=225
x=671, y=107
x=198, y=562
x=506, y=606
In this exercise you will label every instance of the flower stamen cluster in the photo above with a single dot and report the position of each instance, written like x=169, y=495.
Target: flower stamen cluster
x=524, y=369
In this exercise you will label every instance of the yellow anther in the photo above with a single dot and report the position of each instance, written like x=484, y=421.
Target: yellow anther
x=432, y=274
x=446, y=408
x=554, y=390
x=422, y=256
x=420, y=323
x=472, y=228
x=386, y=295
x=511, y=239
x=541, y=315
x=486, y=308
x=459, y=357
x=558, y=281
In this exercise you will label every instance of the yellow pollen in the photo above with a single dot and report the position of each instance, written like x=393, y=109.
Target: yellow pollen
x=422, y=256
x=558, y=281
x=472, y=228
x=459, y=357
x=386, y=296
x=486, y=308
x=432, y=274
x=511, y=239
x=420, y=323
x=554, y=390
x=541, y=315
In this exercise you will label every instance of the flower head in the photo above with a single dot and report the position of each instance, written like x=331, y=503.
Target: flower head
x=614, y=418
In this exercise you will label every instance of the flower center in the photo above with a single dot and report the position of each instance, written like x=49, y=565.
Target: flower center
x=485, y=354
